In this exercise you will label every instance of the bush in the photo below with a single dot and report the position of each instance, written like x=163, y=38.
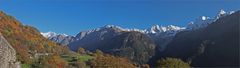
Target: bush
x=107, y=61
x=81, y=64
x=81, y=51
x=172, y=63
x=145, y=66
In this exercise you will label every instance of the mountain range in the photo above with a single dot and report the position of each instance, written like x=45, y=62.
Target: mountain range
x=141, y=46
x=160, y=34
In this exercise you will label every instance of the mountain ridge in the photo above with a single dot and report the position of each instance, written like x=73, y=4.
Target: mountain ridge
x=212, y=41
x=111, y=39
x=161, y=34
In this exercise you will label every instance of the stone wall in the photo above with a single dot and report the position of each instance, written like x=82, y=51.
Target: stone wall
x=7, y=55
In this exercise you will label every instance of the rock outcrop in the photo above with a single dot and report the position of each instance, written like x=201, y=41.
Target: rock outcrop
x=7, y=55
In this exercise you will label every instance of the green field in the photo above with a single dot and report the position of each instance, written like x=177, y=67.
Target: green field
x=84, y=57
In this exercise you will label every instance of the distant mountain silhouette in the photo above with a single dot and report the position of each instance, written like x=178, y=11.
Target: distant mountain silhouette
x=217, y=45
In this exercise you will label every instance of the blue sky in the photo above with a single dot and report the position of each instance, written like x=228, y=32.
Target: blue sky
x=73, y=16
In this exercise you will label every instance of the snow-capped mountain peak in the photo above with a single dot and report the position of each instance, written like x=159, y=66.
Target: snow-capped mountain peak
x=231, y=12
x=174, y=28
x=111, y=26
x=114, y=26
x=204, y=21
x=160, y=29
x=49, y=34
x=64, y=39
x=65, y=35
x=120, y=28
x=222, y=12
x=52, y=34
x=155, y=29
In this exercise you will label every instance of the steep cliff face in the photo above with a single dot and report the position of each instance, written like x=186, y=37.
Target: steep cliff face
x=7, y=55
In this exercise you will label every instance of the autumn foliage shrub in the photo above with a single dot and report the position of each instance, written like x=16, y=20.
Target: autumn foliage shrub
x=26, y=40
x=108, y=61
x=172, y=63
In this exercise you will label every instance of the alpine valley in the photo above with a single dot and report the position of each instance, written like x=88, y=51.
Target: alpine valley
x=203, y=42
